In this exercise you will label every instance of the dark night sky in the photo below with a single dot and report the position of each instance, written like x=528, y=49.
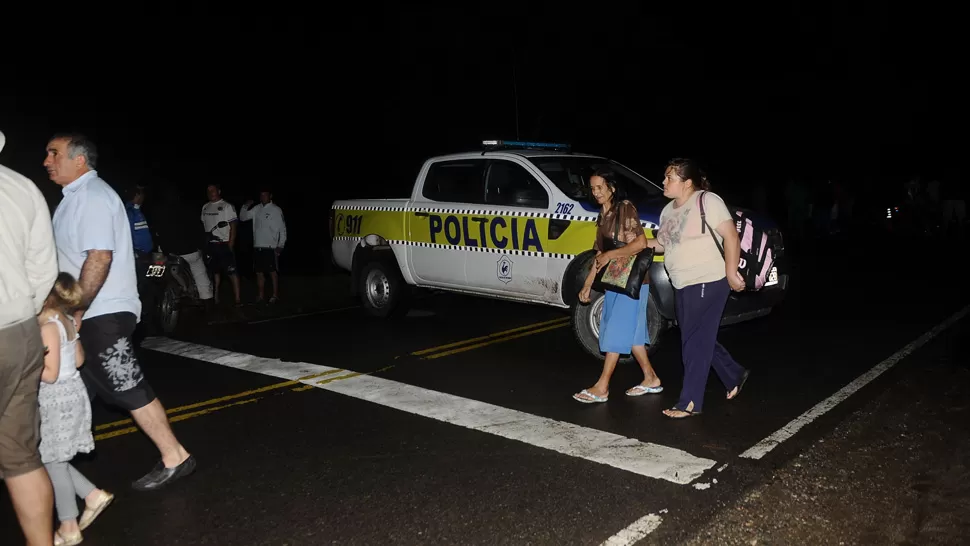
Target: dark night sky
x=326, y=104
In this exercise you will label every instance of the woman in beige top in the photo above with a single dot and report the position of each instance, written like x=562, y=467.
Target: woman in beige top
x=702, y=280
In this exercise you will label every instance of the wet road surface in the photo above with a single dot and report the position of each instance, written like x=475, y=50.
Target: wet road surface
x=328, y=428
x=897, y=471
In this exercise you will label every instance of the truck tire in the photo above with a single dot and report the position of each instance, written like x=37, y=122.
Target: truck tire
x=169, y=311
x=383, y=293
x=586, y=319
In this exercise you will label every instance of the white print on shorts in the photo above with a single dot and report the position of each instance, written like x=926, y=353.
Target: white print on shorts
x=120, y=366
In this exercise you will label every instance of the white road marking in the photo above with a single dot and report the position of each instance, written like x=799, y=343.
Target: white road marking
x=644, y=458
x=635, y=532
x=762, y=448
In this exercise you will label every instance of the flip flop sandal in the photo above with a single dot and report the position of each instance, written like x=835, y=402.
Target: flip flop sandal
x=640, y=390
x=689, y=413
x=744, y=378
x=593, y=399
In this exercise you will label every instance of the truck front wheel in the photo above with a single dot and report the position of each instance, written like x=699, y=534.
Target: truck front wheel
x=383, y=293
x=586, y=326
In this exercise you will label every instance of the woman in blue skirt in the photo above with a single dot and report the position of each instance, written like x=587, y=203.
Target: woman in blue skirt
x=623, y=328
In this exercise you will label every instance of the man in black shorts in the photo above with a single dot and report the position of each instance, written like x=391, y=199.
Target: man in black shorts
x=221, y=245
x=94, y=244
x=269, y=237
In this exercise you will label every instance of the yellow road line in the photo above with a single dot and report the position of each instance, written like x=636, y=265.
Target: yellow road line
x=329, y=380
x=489, y=337
x=496, y=337
x=497, y=340
x=206, y=411
x=223, y=399
x=342, y=377
x=177, y=418
x=456, y=347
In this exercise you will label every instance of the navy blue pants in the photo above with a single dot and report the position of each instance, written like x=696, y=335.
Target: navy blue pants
x=699, y=310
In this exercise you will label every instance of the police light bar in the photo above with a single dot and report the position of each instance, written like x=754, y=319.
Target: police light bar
x=524, y=144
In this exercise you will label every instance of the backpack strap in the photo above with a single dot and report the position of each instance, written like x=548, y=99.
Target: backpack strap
x=704, y=224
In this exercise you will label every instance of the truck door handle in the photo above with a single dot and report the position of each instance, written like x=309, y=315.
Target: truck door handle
x=420, y=213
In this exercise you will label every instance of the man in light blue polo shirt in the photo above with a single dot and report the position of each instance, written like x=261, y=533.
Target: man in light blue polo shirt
x=94, y=244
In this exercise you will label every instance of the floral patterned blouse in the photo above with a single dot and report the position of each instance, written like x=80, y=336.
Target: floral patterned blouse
x=630, y=228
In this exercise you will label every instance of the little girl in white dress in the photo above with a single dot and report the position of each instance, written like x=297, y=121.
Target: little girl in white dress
x=65, y=413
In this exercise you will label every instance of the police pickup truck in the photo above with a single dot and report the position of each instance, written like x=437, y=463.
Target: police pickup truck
x=513, y=221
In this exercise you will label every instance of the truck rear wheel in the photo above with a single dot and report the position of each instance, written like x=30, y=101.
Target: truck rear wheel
x=383, y=293
x=586, y=324
x=168, y=311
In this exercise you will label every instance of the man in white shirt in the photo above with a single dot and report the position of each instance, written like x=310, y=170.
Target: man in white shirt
x=221, y=245
x=269, y=237
x=28, y=268
x=94, y=245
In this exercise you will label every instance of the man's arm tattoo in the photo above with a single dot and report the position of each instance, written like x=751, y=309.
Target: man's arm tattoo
x=93, y=274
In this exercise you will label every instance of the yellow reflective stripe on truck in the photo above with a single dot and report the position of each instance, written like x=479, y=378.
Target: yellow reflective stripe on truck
x=524, y=233
x=389, y=224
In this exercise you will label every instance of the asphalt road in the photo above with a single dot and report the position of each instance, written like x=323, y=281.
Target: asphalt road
x=327, y=428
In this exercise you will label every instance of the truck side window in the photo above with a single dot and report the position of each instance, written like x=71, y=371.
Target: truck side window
x=459, y=181
x=511, y=185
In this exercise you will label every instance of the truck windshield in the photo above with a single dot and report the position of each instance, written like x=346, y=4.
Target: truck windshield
x=571, y=175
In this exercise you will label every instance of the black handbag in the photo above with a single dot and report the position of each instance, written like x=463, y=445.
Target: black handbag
x=624, y=275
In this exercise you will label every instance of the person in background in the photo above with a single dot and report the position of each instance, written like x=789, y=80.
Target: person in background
x=953, y=200
x=94, y=245
x=269, y=237
x=823, y=203
x=796, y=195
x=144, y=245
x=141, y=236
x=28, y=269
x=221, y=244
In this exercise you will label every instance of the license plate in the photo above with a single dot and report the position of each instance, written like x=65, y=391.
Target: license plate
x=772, y=277
x=155, y=271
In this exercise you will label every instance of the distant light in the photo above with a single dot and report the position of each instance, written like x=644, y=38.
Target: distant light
x=524, y=144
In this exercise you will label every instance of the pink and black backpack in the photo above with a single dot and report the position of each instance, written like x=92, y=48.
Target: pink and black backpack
x=757, y=257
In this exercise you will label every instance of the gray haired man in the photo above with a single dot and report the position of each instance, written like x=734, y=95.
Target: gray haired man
x=94, y=244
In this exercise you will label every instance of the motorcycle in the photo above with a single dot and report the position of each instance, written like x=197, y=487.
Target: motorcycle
x=167, y=286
